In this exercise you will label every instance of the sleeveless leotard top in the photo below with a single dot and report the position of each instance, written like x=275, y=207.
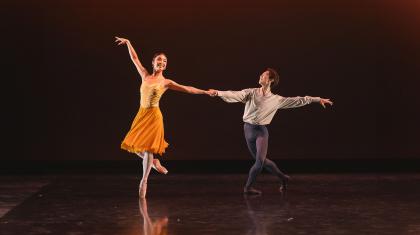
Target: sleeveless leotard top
x=150, y=94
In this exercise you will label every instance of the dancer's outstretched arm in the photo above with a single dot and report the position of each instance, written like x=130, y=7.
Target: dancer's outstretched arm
x=187, y=89
x=133, y=55
x=295, y=102
x=232, y=96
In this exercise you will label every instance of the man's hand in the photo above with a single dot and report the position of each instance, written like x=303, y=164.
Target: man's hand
x=325, y=101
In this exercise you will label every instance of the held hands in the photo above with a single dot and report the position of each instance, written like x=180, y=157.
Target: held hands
x=211, y=92
x=325, y=101
x=121, y=41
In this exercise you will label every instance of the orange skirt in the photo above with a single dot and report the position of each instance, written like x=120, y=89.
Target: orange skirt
x=146, y=132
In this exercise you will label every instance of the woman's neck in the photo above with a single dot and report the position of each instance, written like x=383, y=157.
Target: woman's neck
x=157, y=74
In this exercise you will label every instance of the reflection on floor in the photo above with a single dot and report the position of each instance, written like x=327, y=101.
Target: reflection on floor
x=214, y=204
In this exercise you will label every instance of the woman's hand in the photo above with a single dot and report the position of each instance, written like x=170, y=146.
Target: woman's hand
x=121, y=41
x=325, y=101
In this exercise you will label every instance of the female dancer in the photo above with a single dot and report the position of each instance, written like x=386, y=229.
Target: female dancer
x=146, y=136
x=260, y=107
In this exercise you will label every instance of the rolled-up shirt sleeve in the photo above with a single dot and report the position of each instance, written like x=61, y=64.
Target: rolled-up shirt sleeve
x=295, y=102
x=235, y=96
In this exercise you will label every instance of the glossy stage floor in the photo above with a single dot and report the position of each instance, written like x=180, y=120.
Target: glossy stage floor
x=210, y=204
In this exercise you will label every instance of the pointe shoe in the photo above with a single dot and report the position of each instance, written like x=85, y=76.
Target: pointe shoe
x=142, y=190
x=284, y=183
x=158, y=167
x=252, y=191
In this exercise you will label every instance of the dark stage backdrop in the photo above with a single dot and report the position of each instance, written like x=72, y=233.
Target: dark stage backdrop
x=70, y=93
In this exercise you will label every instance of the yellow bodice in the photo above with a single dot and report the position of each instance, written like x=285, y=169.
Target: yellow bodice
x=150, y=94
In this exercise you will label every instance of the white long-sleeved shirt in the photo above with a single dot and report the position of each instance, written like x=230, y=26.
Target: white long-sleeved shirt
x=260, y=108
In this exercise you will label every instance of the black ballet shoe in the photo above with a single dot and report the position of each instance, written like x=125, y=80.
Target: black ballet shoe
x=252, y=191
x=284, y=183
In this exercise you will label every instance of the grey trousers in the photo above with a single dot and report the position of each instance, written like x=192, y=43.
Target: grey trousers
x=257, y=140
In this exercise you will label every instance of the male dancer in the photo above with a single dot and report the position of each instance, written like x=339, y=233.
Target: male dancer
x=260, y=108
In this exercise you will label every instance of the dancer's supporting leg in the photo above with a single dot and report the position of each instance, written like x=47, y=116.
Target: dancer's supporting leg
x=147, y=166
x=269, y=165
x=155, y=165
x=258, y=136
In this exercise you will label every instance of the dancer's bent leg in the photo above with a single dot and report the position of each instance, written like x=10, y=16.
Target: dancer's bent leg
x=155, y=165
x=251, y=135
x=269, y=165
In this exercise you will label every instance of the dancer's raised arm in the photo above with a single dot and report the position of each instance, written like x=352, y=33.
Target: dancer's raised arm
x=133, y=55
x=187, y=89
